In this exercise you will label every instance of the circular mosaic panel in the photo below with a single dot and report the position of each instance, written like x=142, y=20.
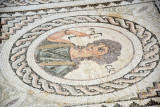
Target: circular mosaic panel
x=87, y=69
x=85, y=55
x=86, y=58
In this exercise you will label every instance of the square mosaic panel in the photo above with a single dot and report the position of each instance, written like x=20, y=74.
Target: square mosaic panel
x=80, y=53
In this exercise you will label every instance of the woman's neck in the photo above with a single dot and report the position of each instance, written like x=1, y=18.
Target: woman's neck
x=74, y=53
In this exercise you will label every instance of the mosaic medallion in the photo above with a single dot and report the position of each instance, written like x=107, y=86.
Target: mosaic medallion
x=81, y=56
x=77, y=55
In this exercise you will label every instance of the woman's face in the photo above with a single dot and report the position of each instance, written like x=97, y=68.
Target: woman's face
x=93, y=50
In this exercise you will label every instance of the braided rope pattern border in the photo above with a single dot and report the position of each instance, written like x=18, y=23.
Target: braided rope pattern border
x=28, y=76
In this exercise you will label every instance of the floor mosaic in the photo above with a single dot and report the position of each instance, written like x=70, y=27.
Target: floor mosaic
x=80, y=53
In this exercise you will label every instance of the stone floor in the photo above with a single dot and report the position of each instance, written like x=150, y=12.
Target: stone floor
x=89, y=53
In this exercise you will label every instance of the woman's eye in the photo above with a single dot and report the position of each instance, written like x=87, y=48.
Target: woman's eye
x=100, y=49
x=91, y=48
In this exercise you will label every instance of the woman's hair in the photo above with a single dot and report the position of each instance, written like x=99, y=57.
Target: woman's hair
x=114, y=49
